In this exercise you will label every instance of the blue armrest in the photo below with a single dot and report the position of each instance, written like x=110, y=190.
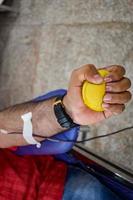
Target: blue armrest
x=51, y=147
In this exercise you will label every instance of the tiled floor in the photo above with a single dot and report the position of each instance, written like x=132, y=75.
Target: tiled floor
x=45, y=40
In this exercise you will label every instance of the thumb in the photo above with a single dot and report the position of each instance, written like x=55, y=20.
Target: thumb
x=85, y=73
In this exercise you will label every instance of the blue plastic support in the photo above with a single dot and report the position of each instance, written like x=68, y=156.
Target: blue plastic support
x=51, y=147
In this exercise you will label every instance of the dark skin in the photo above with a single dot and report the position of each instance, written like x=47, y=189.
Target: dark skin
x=115, y=98
x=44, y=120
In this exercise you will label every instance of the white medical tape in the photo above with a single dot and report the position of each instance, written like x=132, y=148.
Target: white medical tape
x=28, y=129
x=3, y=131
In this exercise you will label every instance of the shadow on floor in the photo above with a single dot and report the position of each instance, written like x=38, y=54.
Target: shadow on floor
x=7, y=21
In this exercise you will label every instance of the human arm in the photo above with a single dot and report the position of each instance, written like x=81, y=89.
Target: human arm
x=44, y=121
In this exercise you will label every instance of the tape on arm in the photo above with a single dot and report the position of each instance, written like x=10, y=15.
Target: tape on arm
x=28, y=129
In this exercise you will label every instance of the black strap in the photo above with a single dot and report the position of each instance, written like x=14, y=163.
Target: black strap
x=62, y=117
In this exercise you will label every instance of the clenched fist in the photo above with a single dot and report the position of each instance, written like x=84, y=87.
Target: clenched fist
x=114, y=100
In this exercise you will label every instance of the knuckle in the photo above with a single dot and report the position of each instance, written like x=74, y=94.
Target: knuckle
x=87, y=68
x=129, y=95
x=121, y=68
x=82, y=71
x=83, y=68
x=75, y=72
x=126, y=96
x=120, y=108
x=123, y=85
x=123, y=107
x=128, y=82
x=91, y=66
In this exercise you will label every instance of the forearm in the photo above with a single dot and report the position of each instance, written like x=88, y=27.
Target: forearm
x=43, y=120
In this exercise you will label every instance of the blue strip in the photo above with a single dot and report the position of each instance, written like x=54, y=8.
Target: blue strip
x=50, y=147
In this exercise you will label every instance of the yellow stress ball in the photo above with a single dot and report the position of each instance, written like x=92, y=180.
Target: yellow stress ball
x=93, y=94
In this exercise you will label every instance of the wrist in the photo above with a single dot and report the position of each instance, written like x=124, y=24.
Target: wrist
x=69, y=108
x=45, y=122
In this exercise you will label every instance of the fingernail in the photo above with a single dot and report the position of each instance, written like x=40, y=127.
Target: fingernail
x=108, y=88
x=108, y=79
x=105, y=105
x=98, y=78
x=107, y=97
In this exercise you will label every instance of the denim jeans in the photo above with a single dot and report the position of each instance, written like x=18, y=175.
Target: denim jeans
x=81, y=185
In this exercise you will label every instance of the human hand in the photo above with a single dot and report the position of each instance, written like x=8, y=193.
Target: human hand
x=114, y=100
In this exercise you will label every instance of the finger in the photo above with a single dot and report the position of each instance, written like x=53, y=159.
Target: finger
x=119, y=86
x=118, y=98
x=87, y=72
x=114, y=109
x=116, y=72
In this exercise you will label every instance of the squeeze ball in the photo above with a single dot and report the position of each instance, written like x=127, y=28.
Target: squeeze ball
x=93, y=94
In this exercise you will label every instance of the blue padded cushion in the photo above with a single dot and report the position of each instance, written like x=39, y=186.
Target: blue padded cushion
x=51, y=147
